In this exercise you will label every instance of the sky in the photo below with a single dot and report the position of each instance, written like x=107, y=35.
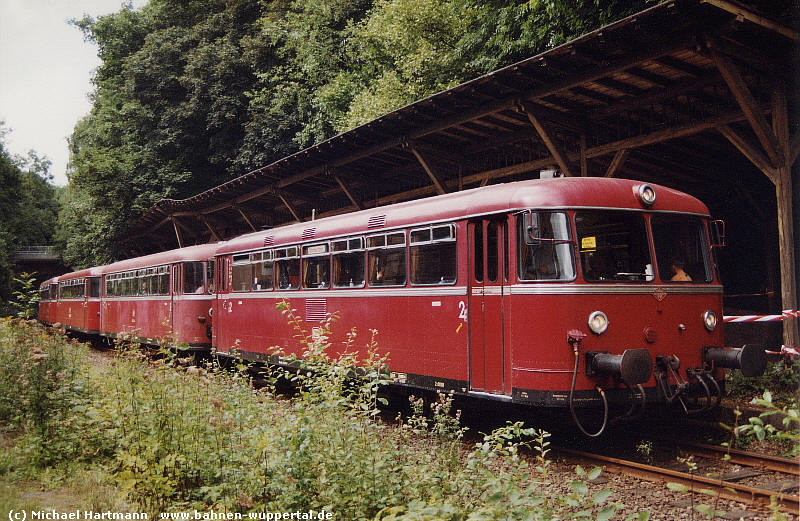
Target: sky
x=45, y=74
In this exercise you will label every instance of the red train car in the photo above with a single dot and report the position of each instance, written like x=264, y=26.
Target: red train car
x=73, y=301
x=562, y=292
x=48, y=299
x=161, y=298
x=568, y=293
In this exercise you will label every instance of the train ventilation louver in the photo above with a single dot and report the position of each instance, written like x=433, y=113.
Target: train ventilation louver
x=316, y=309
x=308, y=233
x=269, y=241
x=376, y=221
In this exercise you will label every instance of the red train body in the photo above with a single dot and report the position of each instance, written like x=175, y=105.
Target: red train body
x=537, y=292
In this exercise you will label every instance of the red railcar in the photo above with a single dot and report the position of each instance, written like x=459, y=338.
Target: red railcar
x=48, y=299
x=575, y=291
x=72, y=300
x=161, y=298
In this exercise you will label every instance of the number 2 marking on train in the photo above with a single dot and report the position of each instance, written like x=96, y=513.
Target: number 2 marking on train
x=462, y=314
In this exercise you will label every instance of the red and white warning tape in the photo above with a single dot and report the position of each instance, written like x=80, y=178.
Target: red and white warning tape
x=787, y=313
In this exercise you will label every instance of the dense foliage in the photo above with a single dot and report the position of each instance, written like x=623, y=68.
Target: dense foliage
x=28, y=210
x=191, y=94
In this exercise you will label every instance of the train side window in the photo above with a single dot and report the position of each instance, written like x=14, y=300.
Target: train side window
x=433, y=255
x=193, y=277
x=263, y=271
x=316, y=266
x=94, y=286
x=141, y=283
x=386, y=259
x=348, y=263
x=287, y=267
x=163, y=280
x=242, y=273
x=546, y=249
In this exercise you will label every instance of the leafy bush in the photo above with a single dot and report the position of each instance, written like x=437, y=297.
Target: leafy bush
x=781, y=379
x=42, y=387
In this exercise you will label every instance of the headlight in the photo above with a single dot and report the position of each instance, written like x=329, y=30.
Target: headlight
x=598, y=322
x=647, y=195
x=710, y=320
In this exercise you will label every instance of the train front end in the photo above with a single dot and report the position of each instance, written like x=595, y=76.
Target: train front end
x=626, y=306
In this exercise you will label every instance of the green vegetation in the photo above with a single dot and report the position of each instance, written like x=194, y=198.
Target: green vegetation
x=781, y=379
x=191, y=94
x=126, y=433
x=28, y=210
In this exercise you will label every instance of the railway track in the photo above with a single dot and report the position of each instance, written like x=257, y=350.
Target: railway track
x=724, y=489
x=741, y=457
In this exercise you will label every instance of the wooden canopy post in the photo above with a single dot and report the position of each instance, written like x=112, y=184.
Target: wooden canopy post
x=776, y=163
x=783, y=192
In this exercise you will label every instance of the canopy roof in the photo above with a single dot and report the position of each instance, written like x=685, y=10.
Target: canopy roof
x=690, y=94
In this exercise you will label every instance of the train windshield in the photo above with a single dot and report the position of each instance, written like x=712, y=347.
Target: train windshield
x=681, y=248
x=613, y=246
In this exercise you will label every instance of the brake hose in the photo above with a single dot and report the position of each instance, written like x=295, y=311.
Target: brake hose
x=572, y=408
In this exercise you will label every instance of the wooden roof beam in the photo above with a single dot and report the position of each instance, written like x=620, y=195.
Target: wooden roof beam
x=750, y=16
x=552, y=146
x=749, y=150
x=426, y=165
x=210, y=229
x=743, y=96
x=177, y=232
x=348, y=192
x=616, y=163
x=289, y=206
x=246, y=219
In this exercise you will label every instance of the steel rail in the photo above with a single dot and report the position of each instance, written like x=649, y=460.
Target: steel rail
x=749, y=459
x=723, y=489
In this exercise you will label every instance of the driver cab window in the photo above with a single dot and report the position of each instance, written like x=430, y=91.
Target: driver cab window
x=545, y=247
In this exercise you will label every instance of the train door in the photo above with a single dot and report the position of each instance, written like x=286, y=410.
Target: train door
x=175, y=300
x=219, y=303
x=487, y=294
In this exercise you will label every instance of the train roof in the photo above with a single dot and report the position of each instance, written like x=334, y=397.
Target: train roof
x=185, y=254
x=568, y=192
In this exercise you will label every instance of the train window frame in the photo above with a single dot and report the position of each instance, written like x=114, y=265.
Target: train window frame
x=589, y=248
x=343, y=253
x=425, y=245
x=700, y=270
x=259, y=260
x=316, y=257
x=379, y=247
x=284, y=258
x=72, y=289
x=94, y=286
x=241, y=273
x=189, y=285
x=563, y=267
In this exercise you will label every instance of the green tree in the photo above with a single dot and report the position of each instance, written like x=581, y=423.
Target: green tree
x=27, y=210
x=193, y=93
